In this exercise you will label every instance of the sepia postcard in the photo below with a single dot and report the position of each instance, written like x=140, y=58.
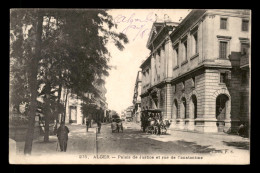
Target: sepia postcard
x=130, y=86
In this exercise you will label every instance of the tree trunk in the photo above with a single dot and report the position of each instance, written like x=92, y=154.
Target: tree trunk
x=59, y=97
x=66, y=98
x=33, y=85
x=47, y=113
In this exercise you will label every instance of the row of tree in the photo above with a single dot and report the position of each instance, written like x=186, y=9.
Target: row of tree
x=52, y=50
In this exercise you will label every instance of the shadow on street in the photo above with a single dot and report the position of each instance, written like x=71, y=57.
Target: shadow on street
x=239, y=145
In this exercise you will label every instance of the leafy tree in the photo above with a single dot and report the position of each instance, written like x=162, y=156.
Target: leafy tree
x=61, y=49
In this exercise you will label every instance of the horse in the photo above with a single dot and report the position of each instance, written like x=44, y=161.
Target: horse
x=164, y=125
x=153, y=126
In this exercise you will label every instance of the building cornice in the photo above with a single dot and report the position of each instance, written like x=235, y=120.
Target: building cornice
x=174, y=80
x=185, y=32
x=145, y=61
x=150, y=39
x=200, y=67
x=229, y=13
x=146, y=93
x=165, y=25
x=166, y=39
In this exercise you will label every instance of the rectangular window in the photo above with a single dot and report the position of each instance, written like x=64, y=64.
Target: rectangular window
x=163, y=46
x=195, y=36
x=223, y=50
x=223, y=23
x=245, y=25
x=222, y=77
x=244, y=48
x=159, y=52
x=185, y=50
x=177, y=54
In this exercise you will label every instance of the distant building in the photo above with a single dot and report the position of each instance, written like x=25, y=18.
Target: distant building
x=198, y=71
x=137, y=98
x=73, y=106
x=129, y=112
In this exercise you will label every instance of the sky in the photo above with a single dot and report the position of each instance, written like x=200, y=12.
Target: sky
x=136, y=24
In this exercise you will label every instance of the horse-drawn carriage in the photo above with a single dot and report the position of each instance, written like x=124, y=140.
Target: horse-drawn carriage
x=152, y=122
x=117, y=125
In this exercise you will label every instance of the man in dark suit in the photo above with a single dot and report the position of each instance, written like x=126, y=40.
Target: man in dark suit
x=62, y=134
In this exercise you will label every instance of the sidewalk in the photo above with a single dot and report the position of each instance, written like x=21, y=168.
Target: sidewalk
x=79, y=143
x=218, y=141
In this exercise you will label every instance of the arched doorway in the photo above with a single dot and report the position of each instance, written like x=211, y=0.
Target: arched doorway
x=175, y=109
x=183, y=110
x=221, y=106
x=221, y=110
x=193, y=107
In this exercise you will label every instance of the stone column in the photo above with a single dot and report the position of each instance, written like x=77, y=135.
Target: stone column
x=157, y=67
x=191, y=125
x=228, y=118
x=168, y=101
x=163, y=63
x=152, y=69
x=173, y=113
x=181, y=111
x=169, y=56
x=209, y=101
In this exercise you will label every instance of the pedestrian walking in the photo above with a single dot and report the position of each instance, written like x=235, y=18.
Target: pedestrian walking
x=87, y=123
x=99, y=126
x=62, y=134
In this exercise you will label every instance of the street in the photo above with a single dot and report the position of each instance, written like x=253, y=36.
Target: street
x=184, y=71
x=170, y=148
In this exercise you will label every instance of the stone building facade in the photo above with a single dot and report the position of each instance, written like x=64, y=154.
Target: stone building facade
x=198, y=71
x=137, y=98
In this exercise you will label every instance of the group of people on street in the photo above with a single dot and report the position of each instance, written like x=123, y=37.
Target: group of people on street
x=157, y=117
x=90, y=122
x=154, y=120
x=116, y=125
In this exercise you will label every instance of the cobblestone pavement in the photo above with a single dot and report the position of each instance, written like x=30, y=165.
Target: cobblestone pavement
x=120, y=147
